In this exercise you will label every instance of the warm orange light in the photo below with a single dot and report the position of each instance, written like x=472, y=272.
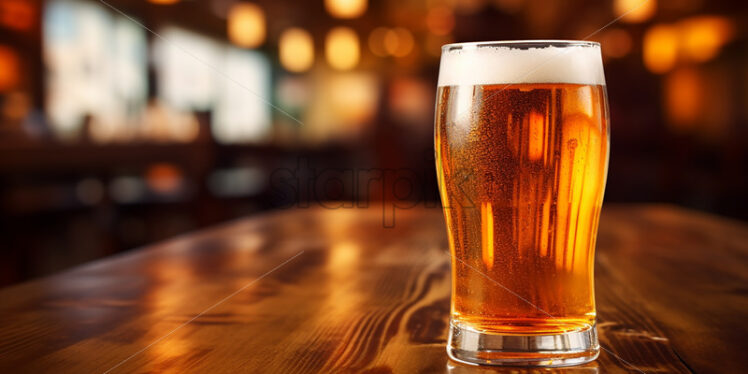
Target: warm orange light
x=296, y=50
x=635, y=11
x=10, y=69
x=163, y=178
x=342, y=107
x=537, y=133
x=353, y=98
x=683, y=98
x=164, y=2
x=440, y=20
x=487, y=242
x=391, y=42
x=616, y=43
x=703, y=37
x=17, y=14
x=344, y=255
x=660, y=48
x=346, y=8
x=246, y=25
x=398, y=42
x=342, y=48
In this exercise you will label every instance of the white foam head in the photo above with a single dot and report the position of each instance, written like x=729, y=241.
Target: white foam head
x=521, y=62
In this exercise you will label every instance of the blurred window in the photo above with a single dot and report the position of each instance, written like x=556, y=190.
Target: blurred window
x=242, y=112
x=96, y=66
x=186, y=65
x=196, y=73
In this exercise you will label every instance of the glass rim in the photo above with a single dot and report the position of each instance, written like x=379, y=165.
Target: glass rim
x=522, y=44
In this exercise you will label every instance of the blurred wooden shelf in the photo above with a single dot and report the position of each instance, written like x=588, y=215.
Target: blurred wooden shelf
x=317, y=290
x=55, y=157
x=67, y=158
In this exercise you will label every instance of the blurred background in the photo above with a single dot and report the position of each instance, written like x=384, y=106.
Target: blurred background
x=124, y=122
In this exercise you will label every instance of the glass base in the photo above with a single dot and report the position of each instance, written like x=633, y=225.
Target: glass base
x=474, y=347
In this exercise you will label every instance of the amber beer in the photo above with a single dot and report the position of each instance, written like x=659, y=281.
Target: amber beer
x=522, y=160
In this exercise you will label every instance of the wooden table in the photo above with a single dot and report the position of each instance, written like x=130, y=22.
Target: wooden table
x=331, y=290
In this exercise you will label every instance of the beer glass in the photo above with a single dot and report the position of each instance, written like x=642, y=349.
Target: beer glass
x=521, y=139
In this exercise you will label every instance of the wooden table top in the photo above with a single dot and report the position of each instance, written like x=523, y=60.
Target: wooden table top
x=318, y=290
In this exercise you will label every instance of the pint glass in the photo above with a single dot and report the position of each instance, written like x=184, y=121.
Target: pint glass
x=521, y=141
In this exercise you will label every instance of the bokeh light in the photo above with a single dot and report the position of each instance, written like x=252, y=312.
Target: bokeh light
x=683, y=98
x=702, y=37
x=346, y=8
x=296, y=50
x=163, y=178
x=9, y=68
x=246, y=25
x=660, y=48
x=398, y=42
x=17, y=14
x=634, y=11
x=342, y=48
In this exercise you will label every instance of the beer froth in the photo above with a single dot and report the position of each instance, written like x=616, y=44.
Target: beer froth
x=476, y=64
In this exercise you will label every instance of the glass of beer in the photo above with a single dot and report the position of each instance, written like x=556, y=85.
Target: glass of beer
x=521, y=141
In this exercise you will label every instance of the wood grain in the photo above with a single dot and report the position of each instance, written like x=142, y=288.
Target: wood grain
x=361, y=298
